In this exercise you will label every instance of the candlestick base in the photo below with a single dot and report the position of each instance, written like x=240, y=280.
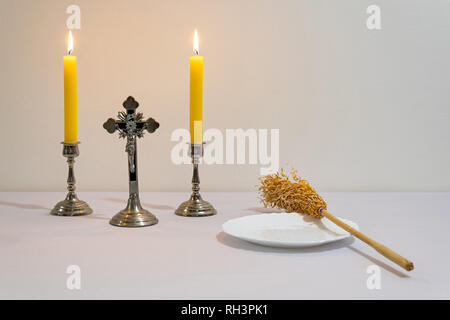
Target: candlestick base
x=70, y=207
x=133, y=215
x=196, y=207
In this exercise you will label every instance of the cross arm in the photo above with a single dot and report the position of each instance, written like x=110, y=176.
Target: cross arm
x=151, y=125
x=110, y=125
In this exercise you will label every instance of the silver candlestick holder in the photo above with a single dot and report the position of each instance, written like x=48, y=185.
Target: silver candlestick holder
x=196, y=206
x=131, y=126
x=71, y=206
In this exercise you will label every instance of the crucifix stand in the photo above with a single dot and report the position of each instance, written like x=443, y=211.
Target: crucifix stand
x=131, y=126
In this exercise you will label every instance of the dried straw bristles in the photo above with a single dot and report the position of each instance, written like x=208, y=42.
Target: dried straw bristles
x=279, y=191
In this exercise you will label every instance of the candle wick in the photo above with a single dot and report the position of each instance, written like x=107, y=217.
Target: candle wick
x=70, y=52
x=196, y=52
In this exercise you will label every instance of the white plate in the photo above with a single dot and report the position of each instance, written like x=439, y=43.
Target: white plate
x=286, y=230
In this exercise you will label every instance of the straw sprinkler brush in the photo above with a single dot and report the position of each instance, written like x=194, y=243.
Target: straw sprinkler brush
x=296, y=195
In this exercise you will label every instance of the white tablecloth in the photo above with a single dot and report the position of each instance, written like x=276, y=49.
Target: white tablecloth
x=190, y=258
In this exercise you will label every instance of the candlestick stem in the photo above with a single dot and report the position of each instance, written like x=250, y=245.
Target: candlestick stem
x=196, y=206
x=195, y=182
x=71, y=177
x=71, y=205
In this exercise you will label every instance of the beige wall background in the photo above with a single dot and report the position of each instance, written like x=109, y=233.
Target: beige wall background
x=358, y=110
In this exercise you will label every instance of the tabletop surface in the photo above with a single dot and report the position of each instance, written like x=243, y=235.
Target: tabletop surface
x=191, y=258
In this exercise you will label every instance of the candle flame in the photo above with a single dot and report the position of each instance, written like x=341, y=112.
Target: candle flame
x=196, y=49
x=70, y=43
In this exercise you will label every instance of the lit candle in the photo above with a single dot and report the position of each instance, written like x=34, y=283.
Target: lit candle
x=196, y=94
x=70, y=94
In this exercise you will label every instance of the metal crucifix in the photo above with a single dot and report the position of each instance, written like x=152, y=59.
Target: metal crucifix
x=132, y=126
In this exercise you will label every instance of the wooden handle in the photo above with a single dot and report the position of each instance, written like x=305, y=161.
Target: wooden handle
x=385, y=251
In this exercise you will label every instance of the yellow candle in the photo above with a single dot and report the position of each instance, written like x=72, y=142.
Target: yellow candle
x=70, y=94
x=196, y=95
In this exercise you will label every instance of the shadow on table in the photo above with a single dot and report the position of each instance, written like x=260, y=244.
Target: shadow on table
x=144, y=204
x=380, y=263
x=23, y=206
